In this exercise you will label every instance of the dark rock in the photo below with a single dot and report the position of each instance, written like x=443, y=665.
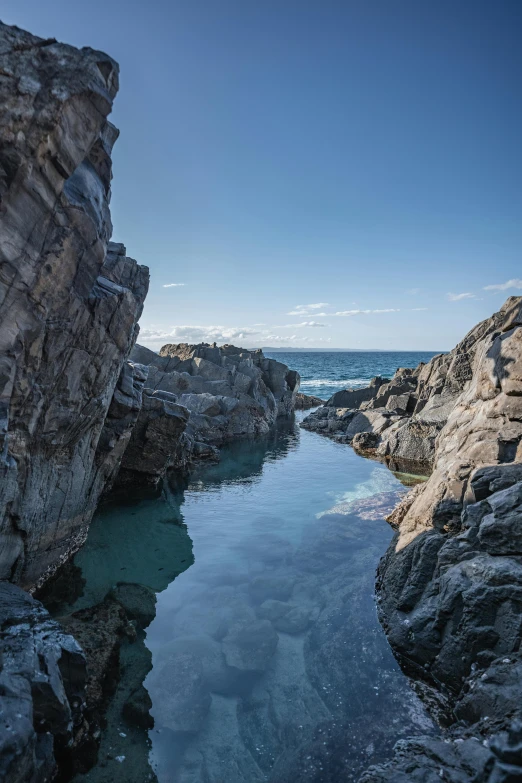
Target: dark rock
x=138, y=601
x=42, y=687
x=136, y=710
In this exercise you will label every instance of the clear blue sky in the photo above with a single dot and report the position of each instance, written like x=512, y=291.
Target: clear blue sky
x=354, y=154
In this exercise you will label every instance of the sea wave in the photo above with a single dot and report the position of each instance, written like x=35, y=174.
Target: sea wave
x=346, y=382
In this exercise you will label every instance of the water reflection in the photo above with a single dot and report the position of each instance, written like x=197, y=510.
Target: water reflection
x=268, y=662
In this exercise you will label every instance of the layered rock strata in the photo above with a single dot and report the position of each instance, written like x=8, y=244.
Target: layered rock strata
x=69, y=299
x=399, y=420
x=197, y=397
x=450, y=585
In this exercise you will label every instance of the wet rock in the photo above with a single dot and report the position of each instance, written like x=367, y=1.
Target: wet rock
x=180, y=695
x=305, y=401
x=296, y=620
x=207, y=651
x=271, y=586
x=273, y=610
x=42, y=687
x=138, y=601
x=136, y=710
x=250, y=648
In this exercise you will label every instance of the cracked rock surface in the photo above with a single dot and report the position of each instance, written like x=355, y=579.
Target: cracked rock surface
x=69, y=300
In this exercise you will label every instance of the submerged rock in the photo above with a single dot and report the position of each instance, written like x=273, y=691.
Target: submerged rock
x=250, y=647
x=180, y=693
x=402, y=418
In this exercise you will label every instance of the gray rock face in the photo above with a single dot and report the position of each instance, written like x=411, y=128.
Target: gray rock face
x=69, y=300
x=450, y=585
x=42, y=679
x=197, y=397
x=399, y=421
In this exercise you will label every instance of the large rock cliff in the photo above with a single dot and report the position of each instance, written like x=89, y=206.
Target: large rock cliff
x=69, y=300
x=450, y=585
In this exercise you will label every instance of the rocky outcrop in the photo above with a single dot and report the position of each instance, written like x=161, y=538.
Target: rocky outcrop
x=69, y=301
x=304, y=402
x=197, y=397
x=400, y=420
x=42, y=681
x=450, y=585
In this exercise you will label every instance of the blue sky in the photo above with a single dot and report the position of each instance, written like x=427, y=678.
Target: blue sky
x=314, y=173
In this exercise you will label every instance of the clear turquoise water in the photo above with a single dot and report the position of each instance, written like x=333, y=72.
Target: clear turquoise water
x=268, y=661
x=322, y=374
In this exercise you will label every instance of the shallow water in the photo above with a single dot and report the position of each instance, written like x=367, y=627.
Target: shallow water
x=268, y=661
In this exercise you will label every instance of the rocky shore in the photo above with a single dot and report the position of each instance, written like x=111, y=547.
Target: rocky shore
x=83, y=409
x=449, y=588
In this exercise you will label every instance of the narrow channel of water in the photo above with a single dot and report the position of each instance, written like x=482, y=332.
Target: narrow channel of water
x=268, y=661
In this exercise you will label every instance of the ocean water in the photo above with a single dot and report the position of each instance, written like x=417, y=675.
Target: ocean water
x=322, y=374
x=264, y=660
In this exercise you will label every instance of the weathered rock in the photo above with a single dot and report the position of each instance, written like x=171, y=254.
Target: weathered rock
x=42, y=683
x=69, y=299
x=402, y=419
x=450, y=585
x=305, y=401
x=197, y=397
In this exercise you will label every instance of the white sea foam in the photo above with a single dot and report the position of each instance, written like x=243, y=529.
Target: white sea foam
x=328, y=382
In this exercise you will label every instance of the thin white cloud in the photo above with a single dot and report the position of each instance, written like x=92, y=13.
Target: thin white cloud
x=349, y=313
x=196, y=334
x=413, y=291
x=302, y=325
x=514, y=283
x=459, y=297
x=309, y=309
x=173, y=285
x=284, y=338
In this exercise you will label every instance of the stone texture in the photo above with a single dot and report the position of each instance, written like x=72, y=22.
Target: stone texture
x=42, y=681
x=450, y=585
x=69, y=300
x=197, y=397
x=400, y=421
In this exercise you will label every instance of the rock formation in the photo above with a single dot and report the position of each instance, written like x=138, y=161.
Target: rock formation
x=197, y=397
x=399, y=420
x=450, y=585
x=69, y=299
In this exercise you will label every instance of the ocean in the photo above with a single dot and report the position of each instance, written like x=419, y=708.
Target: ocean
x=322, y=374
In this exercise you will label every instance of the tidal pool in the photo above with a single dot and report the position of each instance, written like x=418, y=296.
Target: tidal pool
x=268, y=661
